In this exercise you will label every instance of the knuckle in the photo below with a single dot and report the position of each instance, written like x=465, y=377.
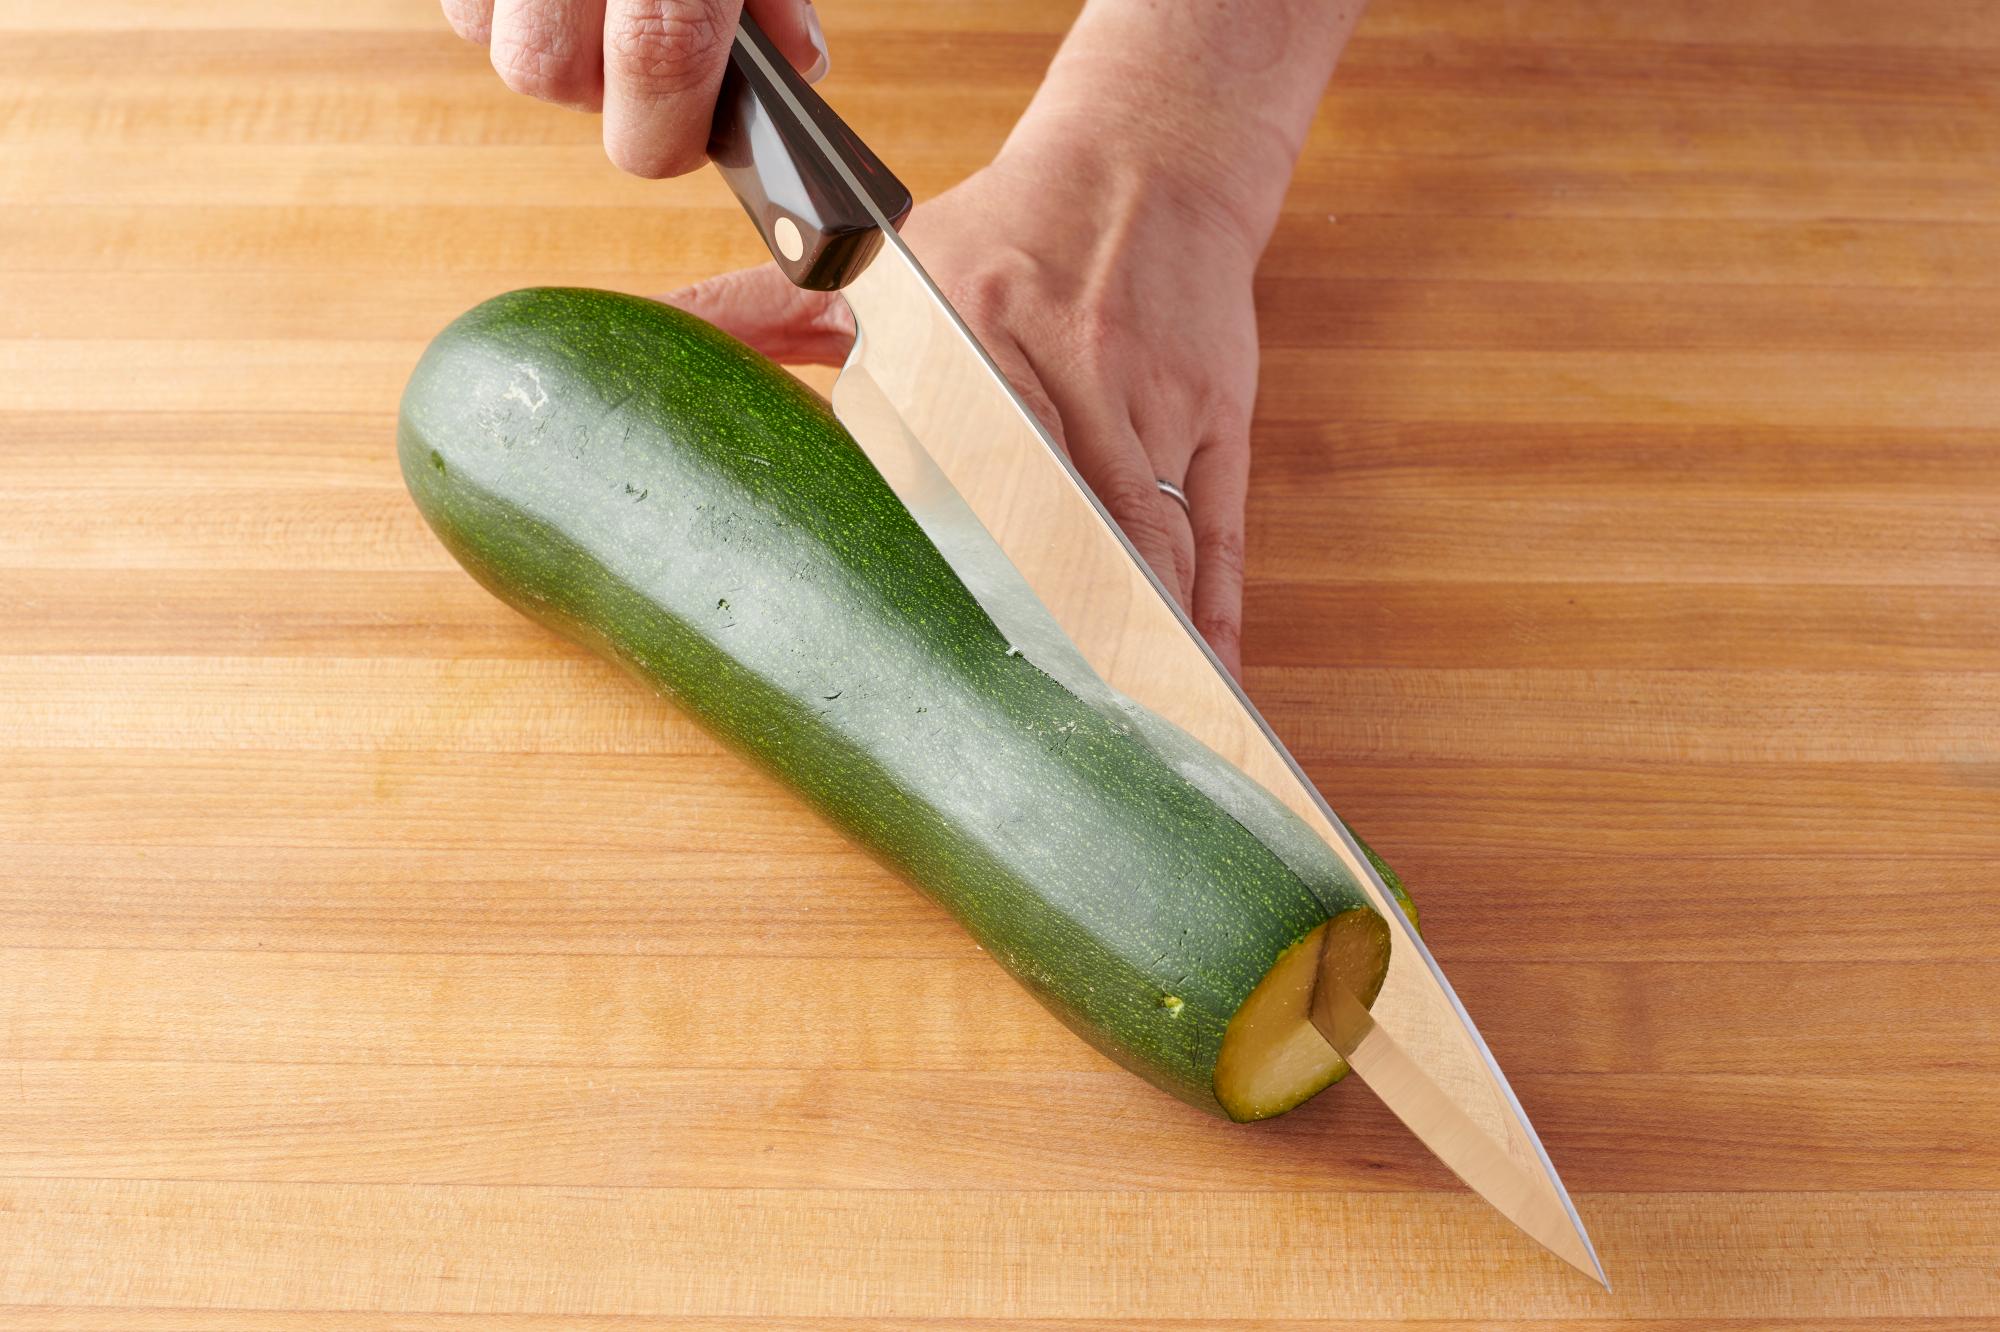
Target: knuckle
x=1150, y=523
x=667, y=50
x=1224, y=552
x=1136, y=501
x=983, y=296
x=1226, y=410
x=1234, y=415
x=1044, y=409
x=1026, y=383
x=1183, y=556
x=1222, y=626
x=1160, y=556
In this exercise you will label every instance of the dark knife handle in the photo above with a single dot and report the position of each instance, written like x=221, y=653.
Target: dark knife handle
x=816, y=193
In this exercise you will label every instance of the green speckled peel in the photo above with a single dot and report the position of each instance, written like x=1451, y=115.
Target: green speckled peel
x=646, y=485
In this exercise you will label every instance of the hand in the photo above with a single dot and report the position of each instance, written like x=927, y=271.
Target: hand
x=652, y=66
x=1119, y=305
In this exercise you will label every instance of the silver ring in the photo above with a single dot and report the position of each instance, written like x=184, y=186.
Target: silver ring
x=1174, y=493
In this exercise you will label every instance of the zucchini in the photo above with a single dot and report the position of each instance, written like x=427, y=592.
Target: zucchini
x=651, y=488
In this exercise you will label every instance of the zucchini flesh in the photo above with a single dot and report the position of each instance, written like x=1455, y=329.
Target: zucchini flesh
x=1272, y=1056
x=649, y=487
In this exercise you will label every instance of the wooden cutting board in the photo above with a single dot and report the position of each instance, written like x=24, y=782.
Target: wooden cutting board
x=1625, y=564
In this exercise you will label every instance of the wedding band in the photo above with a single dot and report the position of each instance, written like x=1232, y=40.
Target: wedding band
x=1174, y=493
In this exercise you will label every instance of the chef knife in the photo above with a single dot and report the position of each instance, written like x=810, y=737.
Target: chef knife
x=1001, y=500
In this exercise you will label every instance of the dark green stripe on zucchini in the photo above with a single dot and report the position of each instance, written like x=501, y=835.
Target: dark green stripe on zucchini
x=649, y=487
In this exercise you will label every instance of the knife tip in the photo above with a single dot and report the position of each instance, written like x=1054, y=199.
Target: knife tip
x=1584, y=1257
x=1563, y=1235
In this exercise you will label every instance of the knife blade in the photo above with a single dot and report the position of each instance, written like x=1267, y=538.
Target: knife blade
x=1004, y=505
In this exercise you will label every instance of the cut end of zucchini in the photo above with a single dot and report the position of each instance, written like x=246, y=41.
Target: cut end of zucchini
x=1273, y=1058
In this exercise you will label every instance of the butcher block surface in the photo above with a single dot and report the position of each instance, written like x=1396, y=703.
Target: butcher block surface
x=1624, y=564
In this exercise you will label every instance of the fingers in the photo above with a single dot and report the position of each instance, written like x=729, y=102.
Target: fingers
x=1218, y=480
x=1106, y=450
x=1154, y=524
x=762, y=307
x=652, y=66
x=550, y=49
x=470, y=19
x=663, y=61
x=793, y=27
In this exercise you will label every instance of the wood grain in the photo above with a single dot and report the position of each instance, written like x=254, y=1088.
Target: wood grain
x=1016, y=1254
x=1625, y=563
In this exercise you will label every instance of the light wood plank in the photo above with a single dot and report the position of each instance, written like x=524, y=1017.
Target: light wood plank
x=1786, y=23
x=1386, y=313
x=1943, y=390
x=436, y=615
x=1692, y=540
x=13, y=1318
x=615, y=802
x=1372, y=461
x=368, y=527
x=656, y=901
x=522, y=176
x=1663, y=626
x=661, y=900
x=1057, y=1254
x=370, y=94
x=1836, y=252
x=1636, y=716
x=1616, y=316
x=1939, y=390
x=723, y=1010
x=406, y=240
x=1432, y=625
x=1699, y=813
x=838, y=1128
x=1697, y=63
x=569, y=703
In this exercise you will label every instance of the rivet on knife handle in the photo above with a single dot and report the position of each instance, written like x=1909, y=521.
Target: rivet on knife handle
x=772, y=140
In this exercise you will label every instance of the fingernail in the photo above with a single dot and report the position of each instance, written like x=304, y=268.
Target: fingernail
x=818, y=40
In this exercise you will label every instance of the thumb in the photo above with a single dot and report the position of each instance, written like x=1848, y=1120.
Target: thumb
x=762, y=307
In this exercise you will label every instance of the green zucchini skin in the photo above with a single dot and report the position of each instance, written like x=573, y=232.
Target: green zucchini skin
x=649, y=487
